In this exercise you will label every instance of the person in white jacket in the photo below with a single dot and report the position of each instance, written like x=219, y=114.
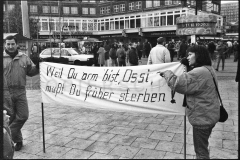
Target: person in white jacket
x=159, y=54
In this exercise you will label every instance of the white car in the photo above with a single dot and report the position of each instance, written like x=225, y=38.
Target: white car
x=73, y=55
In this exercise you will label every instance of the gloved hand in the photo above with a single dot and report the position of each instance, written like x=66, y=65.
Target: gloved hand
x=185, y=62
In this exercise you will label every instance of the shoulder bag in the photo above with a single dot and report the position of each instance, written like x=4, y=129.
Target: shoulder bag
x=223, y=112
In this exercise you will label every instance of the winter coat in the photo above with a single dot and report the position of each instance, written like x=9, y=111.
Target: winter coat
x=203, y=106
x=17, y=68
x=101, y=58
x=159, y=54
x=133, y=57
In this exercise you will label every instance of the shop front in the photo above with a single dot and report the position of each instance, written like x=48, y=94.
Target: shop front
x=168, y=35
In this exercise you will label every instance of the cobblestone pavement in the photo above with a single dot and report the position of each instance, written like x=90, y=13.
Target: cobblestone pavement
x=82, y=133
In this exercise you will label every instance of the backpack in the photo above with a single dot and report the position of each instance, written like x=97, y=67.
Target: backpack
x=112, y=53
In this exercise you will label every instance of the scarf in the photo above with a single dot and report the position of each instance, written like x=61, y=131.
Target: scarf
x=11, y=54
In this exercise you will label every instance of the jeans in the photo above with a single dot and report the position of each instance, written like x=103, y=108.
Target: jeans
x=201, y=135
x=21, y=113
x=221, y=57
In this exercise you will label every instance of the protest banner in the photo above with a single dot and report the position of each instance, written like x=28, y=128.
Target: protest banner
x=135, y=88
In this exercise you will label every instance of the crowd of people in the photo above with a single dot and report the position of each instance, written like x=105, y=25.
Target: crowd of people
x=120, y=54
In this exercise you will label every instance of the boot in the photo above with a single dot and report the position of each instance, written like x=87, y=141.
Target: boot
x=18, y=146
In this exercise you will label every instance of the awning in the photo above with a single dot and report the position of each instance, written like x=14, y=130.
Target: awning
x=17, y=35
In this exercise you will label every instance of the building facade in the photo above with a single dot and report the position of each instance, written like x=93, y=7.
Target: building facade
x=230, y=10
x=124, y=21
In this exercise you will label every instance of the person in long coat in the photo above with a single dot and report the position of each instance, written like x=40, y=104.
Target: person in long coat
x=101, y=58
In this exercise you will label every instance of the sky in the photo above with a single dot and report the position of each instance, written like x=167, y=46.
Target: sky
x=224, y=1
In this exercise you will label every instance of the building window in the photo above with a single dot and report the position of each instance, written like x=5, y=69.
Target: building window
x=116, y=8
x=131, y=6
x=107, y=9
x=170, y=20
x=168, y=2
x=66, y=10
x=102, y=10
x=122, y=7
x=148, y=4
x=33, y=9
x=138, y=5
x=84, y=10
x=156, y=3
x=92, y=1
x=44, y=25
x=92, y=10
x=176, y=2
x=45, y=9
x=74, y=10
x=54, y=9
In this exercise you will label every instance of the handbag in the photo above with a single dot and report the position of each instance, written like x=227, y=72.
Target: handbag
x=223, y=112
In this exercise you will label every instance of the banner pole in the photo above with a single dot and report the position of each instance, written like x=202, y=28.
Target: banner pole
x=184, y=136
x=43, y=129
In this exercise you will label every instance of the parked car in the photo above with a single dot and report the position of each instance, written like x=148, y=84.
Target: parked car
x=71, y=54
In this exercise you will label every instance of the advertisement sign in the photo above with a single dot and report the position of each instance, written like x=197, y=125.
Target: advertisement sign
x=196, y=25
x=131, y=88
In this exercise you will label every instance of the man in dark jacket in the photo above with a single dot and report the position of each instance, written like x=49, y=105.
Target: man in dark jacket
x=183, y=49
x=146, y=48
x=133, y=56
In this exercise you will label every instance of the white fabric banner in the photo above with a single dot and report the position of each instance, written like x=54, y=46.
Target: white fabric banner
x=131, y=88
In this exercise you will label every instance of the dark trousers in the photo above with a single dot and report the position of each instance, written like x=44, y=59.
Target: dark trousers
x=140, y=54
x=201, y=135
x=121, y=63
x=235, y=56
x=221, y=57
x=21, y=113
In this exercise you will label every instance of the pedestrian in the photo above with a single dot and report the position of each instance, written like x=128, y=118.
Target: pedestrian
x=132, y=55
x=121, y=55
x=202, y=101
x=113, y=55
x=222, y=50
x=177, y=47
x=146, y=48
x=139, y=50
x=17, y=66
x=107, y=48
x=101, y=55
x=211, y=49
x=95, y=55
x=235, y=51
x=183, y=49
x=171, y=50
x=229, y=45
x=34, y=49
x=159, y=54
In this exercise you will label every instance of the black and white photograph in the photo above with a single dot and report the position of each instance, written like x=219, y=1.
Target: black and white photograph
x=112, y=79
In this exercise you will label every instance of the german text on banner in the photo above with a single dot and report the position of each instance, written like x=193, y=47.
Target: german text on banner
x=135, y=88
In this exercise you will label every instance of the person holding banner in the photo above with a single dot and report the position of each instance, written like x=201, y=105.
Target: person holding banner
x=203, y=105
x=17, y=66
